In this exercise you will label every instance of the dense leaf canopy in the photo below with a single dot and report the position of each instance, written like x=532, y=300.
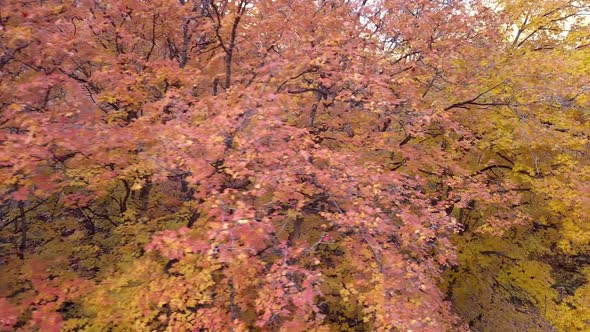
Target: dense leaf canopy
x=282, y=165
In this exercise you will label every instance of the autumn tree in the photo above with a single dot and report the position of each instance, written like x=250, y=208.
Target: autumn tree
x=288, y=165
x=533, y=133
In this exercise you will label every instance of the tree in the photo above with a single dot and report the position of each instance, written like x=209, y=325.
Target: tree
x=279, y=165
x=533, y=130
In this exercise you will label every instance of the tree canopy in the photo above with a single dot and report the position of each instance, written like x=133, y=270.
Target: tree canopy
x=281, y=165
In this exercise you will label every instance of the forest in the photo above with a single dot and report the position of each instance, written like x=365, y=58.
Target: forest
x=295, y=165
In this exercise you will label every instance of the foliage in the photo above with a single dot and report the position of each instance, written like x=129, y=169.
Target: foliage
x=275, y=165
